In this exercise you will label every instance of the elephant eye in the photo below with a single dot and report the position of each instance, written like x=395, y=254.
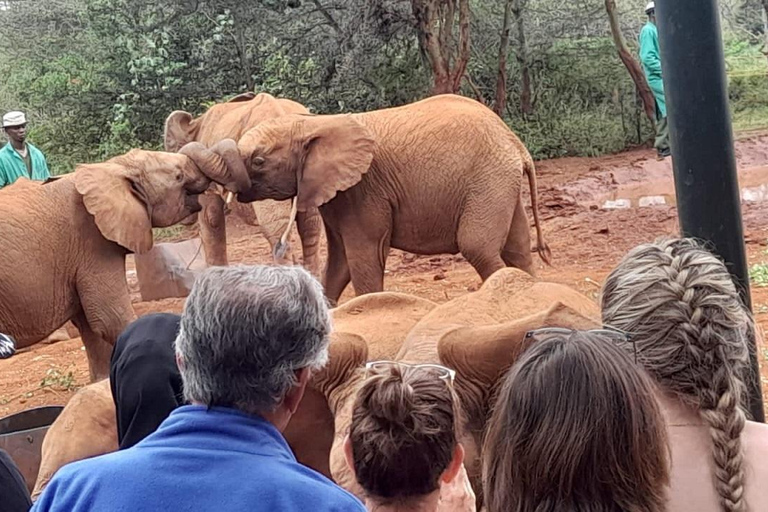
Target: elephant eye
x=258, y=161
x=179, y=177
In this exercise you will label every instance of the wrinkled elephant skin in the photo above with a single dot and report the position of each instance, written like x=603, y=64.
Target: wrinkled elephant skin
x=63, y=245
x=479, y=335
x=229, y=120
x=442, y=175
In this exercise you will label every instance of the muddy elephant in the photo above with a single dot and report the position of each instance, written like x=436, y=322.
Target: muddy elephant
x=479, y=335
x=442, y=175
x=63, y=243
x=229, y=120
x=87, y=426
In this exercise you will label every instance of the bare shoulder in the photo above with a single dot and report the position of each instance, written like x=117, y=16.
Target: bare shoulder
x=756, y=439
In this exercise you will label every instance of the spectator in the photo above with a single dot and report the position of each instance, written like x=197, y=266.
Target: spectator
x=651, y=59
x=14, y=495
x=576, y=427
x=145, y=380
x=18, y=157
x=249, y=339
x=403, y=440
x=691, y=330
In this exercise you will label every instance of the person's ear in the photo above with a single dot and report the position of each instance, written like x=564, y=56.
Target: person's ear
x=296, y=393
x=179, y=361
x=348, y=455
x=455, y=466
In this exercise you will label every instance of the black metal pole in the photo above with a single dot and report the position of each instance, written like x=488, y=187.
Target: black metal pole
x=706, y=182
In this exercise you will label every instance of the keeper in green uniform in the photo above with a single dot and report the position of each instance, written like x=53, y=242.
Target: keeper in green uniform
x=20, y=158
x=651, y=59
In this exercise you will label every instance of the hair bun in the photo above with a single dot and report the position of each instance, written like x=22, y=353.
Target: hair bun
x=392, y=401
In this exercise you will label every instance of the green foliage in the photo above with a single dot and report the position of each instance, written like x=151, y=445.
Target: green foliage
x=98, y=77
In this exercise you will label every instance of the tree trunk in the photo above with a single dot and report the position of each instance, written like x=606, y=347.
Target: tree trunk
x=500, y=103
x=435, y=21
x=526, y=105
x=765, y=26
x=633, y=67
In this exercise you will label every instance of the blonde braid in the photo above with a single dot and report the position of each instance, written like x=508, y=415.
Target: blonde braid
x=690, y=329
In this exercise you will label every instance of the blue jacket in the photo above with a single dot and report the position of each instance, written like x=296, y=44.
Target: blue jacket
x=199, y=459
x=12, y=166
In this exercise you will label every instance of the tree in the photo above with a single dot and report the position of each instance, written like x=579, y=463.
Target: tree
x=447, y=56
x=765, y=25
x=526, y=96
x=500, y=104
x=633, y=67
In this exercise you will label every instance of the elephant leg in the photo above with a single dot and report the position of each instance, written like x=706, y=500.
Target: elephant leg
x=273, y=219
x=106, y=311
x=481, y=236
x=367, y=257
x=310, y=227
x=97, y=349
x=337, y=275
x=517, y=249
x=213, y=230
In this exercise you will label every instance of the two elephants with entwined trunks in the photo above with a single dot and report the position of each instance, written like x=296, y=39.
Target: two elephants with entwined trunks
x=441, y=175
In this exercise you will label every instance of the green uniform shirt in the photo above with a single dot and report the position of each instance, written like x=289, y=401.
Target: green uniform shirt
x=13, y=167
x=651, y=59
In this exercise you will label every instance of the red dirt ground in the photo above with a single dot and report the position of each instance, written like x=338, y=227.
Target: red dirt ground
x=586, y=242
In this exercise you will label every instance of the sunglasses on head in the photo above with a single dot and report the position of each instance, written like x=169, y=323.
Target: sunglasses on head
x=613, y=335
x=437, y=370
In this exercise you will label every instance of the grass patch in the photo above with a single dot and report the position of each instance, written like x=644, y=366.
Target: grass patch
x=56, y=379
x=758, y=274
x=169, y=233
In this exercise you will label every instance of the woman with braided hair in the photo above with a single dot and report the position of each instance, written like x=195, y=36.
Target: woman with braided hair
x=689, y=328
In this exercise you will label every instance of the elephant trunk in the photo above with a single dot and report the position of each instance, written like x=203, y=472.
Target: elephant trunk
x=221, y=164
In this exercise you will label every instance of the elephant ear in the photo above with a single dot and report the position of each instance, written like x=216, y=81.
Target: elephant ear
x=246, y=96
x=481, y=355
x=347, y=353
x=338, y=151
x=112, y=197
x=179, y=130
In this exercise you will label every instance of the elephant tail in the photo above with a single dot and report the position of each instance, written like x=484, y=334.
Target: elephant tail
x=541, y=245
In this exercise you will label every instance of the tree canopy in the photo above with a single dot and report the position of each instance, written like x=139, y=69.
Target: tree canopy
x=98, y=77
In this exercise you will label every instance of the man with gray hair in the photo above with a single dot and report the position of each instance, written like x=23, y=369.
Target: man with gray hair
x=248, y=340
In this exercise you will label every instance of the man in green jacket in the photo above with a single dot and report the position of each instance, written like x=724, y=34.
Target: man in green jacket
x=20, y=158
x=651, y=59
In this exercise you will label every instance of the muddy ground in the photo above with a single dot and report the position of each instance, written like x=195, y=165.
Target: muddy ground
x=593, y=211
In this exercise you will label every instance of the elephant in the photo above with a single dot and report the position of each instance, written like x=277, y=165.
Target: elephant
x=229, y=120
x=479, y=335
x=87, y=426
x=63, y=242
x=441, y=175
x=87, y=423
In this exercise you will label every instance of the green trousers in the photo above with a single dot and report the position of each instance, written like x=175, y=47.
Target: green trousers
x=662, y=135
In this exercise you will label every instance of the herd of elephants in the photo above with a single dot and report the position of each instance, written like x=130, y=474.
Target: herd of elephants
x=440, y=175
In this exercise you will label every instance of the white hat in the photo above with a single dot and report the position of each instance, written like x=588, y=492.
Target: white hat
x=650, y=7
x=14, y=119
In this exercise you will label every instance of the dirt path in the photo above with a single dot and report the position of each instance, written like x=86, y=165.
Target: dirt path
x=594, y=211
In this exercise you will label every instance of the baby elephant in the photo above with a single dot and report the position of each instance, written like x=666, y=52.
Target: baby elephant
x=442, y=175
x=63, y=242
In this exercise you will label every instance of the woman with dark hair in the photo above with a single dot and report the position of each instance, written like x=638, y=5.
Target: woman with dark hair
x=690, y=331
x=576, y=427
x=403, y=440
